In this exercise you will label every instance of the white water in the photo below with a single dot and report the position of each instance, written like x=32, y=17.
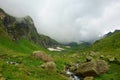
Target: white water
x=72, y=76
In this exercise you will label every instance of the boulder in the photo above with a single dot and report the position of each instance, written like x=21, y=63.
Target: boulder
x=102, y=56
x=42, y=55
x=49, y=66
x=88, y=58
x=92, y=53
x=102, y=66
x=89, y=78
x=92, y=68
x=111, y=59
x=87, y=69
x=2, y=78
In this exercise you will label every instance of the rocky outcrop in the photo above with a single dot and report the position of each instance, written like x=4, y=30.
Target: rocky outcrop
x=92, y=68
x=49, y=63
x=87, y=69
x=24, y=28
x=41, y=55
x=51, y=66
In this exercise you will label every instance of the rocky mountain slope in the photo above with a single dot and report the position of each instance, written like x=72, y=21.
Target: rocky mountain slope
x=23, y=28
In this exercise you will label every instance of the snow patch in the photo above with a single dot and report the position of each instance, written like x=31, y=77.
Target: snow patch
x=55, y=49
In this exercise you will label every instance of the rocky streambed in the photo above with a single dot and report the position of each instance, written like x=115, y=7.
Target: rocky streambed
x=87, y=70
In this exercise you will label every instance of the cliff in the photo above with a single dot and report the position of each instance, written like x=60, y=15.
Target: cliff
x=19, y=28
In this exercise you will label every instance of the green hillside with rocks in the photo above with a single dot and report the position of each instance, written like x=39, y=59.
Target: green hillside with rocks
x=108, y=49
x=24, y=54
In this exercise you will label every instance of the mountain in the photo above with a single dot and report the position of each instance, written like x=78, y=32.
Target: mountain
x=18, y=40
x=79, y=47
x=110, y=42
x=23, y=28
x=22, y=56
x=108, y=49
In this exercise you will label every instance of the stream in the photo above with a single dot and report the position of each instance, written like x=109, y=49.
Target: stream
x=71, y=75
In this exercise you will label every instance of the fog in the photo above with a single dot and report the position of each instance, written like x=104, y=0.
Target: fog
x=68, y=20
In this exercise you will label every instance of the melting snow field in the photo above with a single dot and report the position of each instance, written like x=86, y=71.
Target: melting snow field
x=55, y=49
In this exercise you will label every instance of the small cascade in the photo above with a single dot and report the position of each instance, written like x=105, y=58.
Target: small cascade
x=72, y=75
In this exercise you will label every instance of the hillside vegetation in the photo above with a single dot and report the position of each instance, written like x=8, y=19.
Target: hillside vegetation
x=110, y=44
x=24, y=54
x=108, y=48
x=18, y=40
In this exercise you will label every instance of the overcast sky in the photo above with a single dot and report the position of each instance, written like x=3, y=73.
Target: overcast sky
x=68, y=20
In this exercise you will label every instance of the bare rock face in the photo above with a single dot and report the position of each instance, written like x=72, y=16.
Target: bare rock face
x=23, y=28
x=92, y=68
x=49, y=66
x=42, y=55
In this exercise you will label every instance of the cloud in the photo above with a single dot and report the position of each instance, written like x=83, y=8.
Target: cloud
x=68, y=20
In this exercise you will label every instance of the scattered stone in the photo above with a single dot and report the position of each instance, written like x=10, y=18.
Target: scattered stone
x=42, y=55
x=102, y=56
x=14, y=56
x=2, y=78
x=0, y=75
x=13, y=63
x=92, y=53
x=88, y=58
x=89, y=78
x=111, y=59
x=75, y=56
x=49, y=66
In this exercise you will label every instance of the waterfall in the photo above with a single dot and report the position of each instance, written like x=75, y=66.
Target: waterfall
x=71, y=75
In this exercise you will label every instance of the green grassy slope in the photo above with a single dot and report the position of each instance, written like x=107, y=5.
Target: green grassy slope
x=27, y=68
x=109, y=47
x=109, y=43
x=20, y=51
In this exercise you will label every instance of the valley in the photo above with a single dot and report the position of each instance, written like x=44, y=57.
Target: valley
x=27, y=55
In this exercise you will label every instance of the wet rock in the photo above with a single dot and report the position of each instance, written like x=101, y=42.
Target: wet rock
x=42, y=55
x=49, y=66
